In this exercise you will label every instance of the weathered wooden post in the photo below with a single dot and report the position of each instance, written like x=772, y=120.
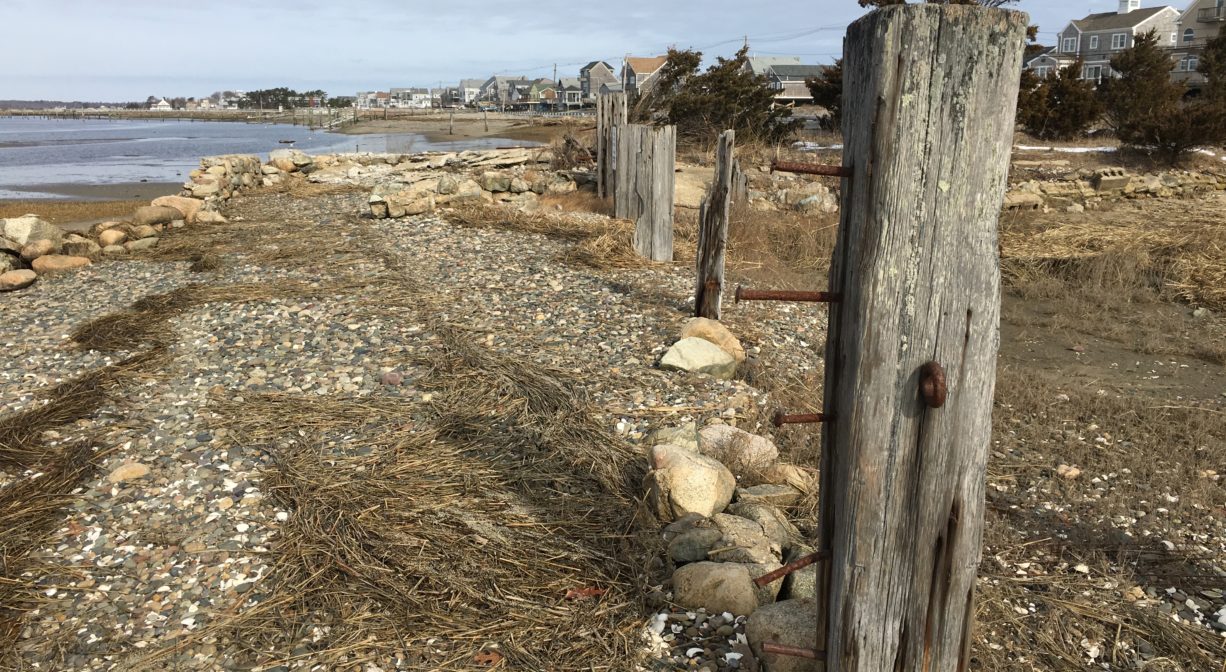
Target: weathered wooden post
x=929, y=92
x=611, y=113
x=644, y=194
x=713, y=231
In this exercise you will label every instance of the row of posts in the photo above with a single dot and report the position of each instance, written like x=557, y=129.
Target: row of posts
x=929, y=94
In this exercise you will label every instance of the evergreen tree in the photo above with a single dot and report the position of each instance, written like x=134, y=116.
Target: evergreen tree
x=1061, y=106
x=1146, y=109
x=1213, y=66
x=727, y=95
x=827, y=91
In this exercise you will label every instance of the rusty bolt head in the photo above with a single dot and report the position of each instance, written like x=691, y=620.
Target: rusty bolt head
x=932, y=384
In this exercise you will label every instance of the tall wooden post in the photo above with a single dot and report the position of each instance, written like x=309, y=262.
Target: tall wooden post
x=713, y=231
x=611, y=113
x=929, y=92
x=645, y=160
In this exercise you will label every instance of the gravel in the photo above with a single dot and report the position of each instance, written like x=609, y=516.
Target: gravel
x=153, y=559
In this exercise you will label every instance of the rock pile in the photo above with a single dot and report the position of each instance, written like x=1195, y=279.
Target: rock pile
x=31, y=247
x=723, y=498
x=220, y=177
x=1086, y=189
x=707, y=347
x=415, y=191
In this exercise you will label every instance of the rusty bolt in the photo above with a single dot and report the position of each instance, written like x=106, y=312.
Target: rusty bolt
x=780, y=418
x=932, y=384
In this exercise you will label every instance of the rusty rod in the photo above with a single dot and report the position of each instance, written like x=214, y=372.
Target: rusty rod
x=743, y=294
x=811, y=168
x=798, y=563
x=780, y=418
x=794, y=651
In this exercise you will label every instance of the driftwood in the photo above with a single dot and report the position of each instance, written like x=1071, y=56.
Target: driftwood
x=928, y=92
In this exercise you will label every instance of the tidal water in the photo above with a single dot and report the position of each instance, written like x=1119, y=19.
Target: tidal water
x=40, y=156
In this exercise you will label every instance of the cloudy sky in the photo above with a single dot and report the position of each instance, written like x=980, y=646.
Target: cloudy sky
x=118, y=50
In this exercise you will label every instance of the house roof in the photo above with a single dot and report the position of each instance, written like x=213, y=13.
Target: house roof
x=1115, y=20
x=758, y=65
x=471, y=83
x=568, y=82
x=797, y=71
x=645, y=66
x=593, y=64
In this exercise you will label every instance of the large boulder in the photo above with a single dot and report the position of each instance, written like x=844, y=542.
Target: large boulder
x=210, y=217
x=289, y=160
x=155, y=214
x=7, y=245
x=97, y=229
x=58, y=263
x=19, y=279
x=715, y=332
x=495, y=182
x=188, y=207
x=737, y=449
x=775, y=525
x=790, y=623
x=699, y=356
x=80, y=246
x=693, y=544
x=28, y=228
x=143, y=231
x=683, y=482
x=685, y=436
x=112, y=237
x=743, y=540
x=802, y=583
x=447, y=185
x=717, y=587
x=40, y=248
x=10, y=261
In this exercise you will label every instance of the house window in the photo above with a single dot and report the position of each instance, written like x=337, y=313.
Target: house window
x=1193, y=63
x=1093, y=42
x=1189, y=35
x=1119, y=40
x=1042, y=71
x=1174, y=38
x=1093, y=72
x=1069, y=46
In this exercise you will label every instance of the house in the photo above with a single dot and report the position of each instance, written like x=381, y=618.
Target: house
x=592, y=76
x=373, y=99
x=788, y=82
x=1200, y=22
x=538, y=93
x=161, y=106
x=497, y=89
x=637, y=73
x=1097, y=37
x=759, y=65
x=570, y=92
x=1048, y=62
x=468, y=91
x=608, y=88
